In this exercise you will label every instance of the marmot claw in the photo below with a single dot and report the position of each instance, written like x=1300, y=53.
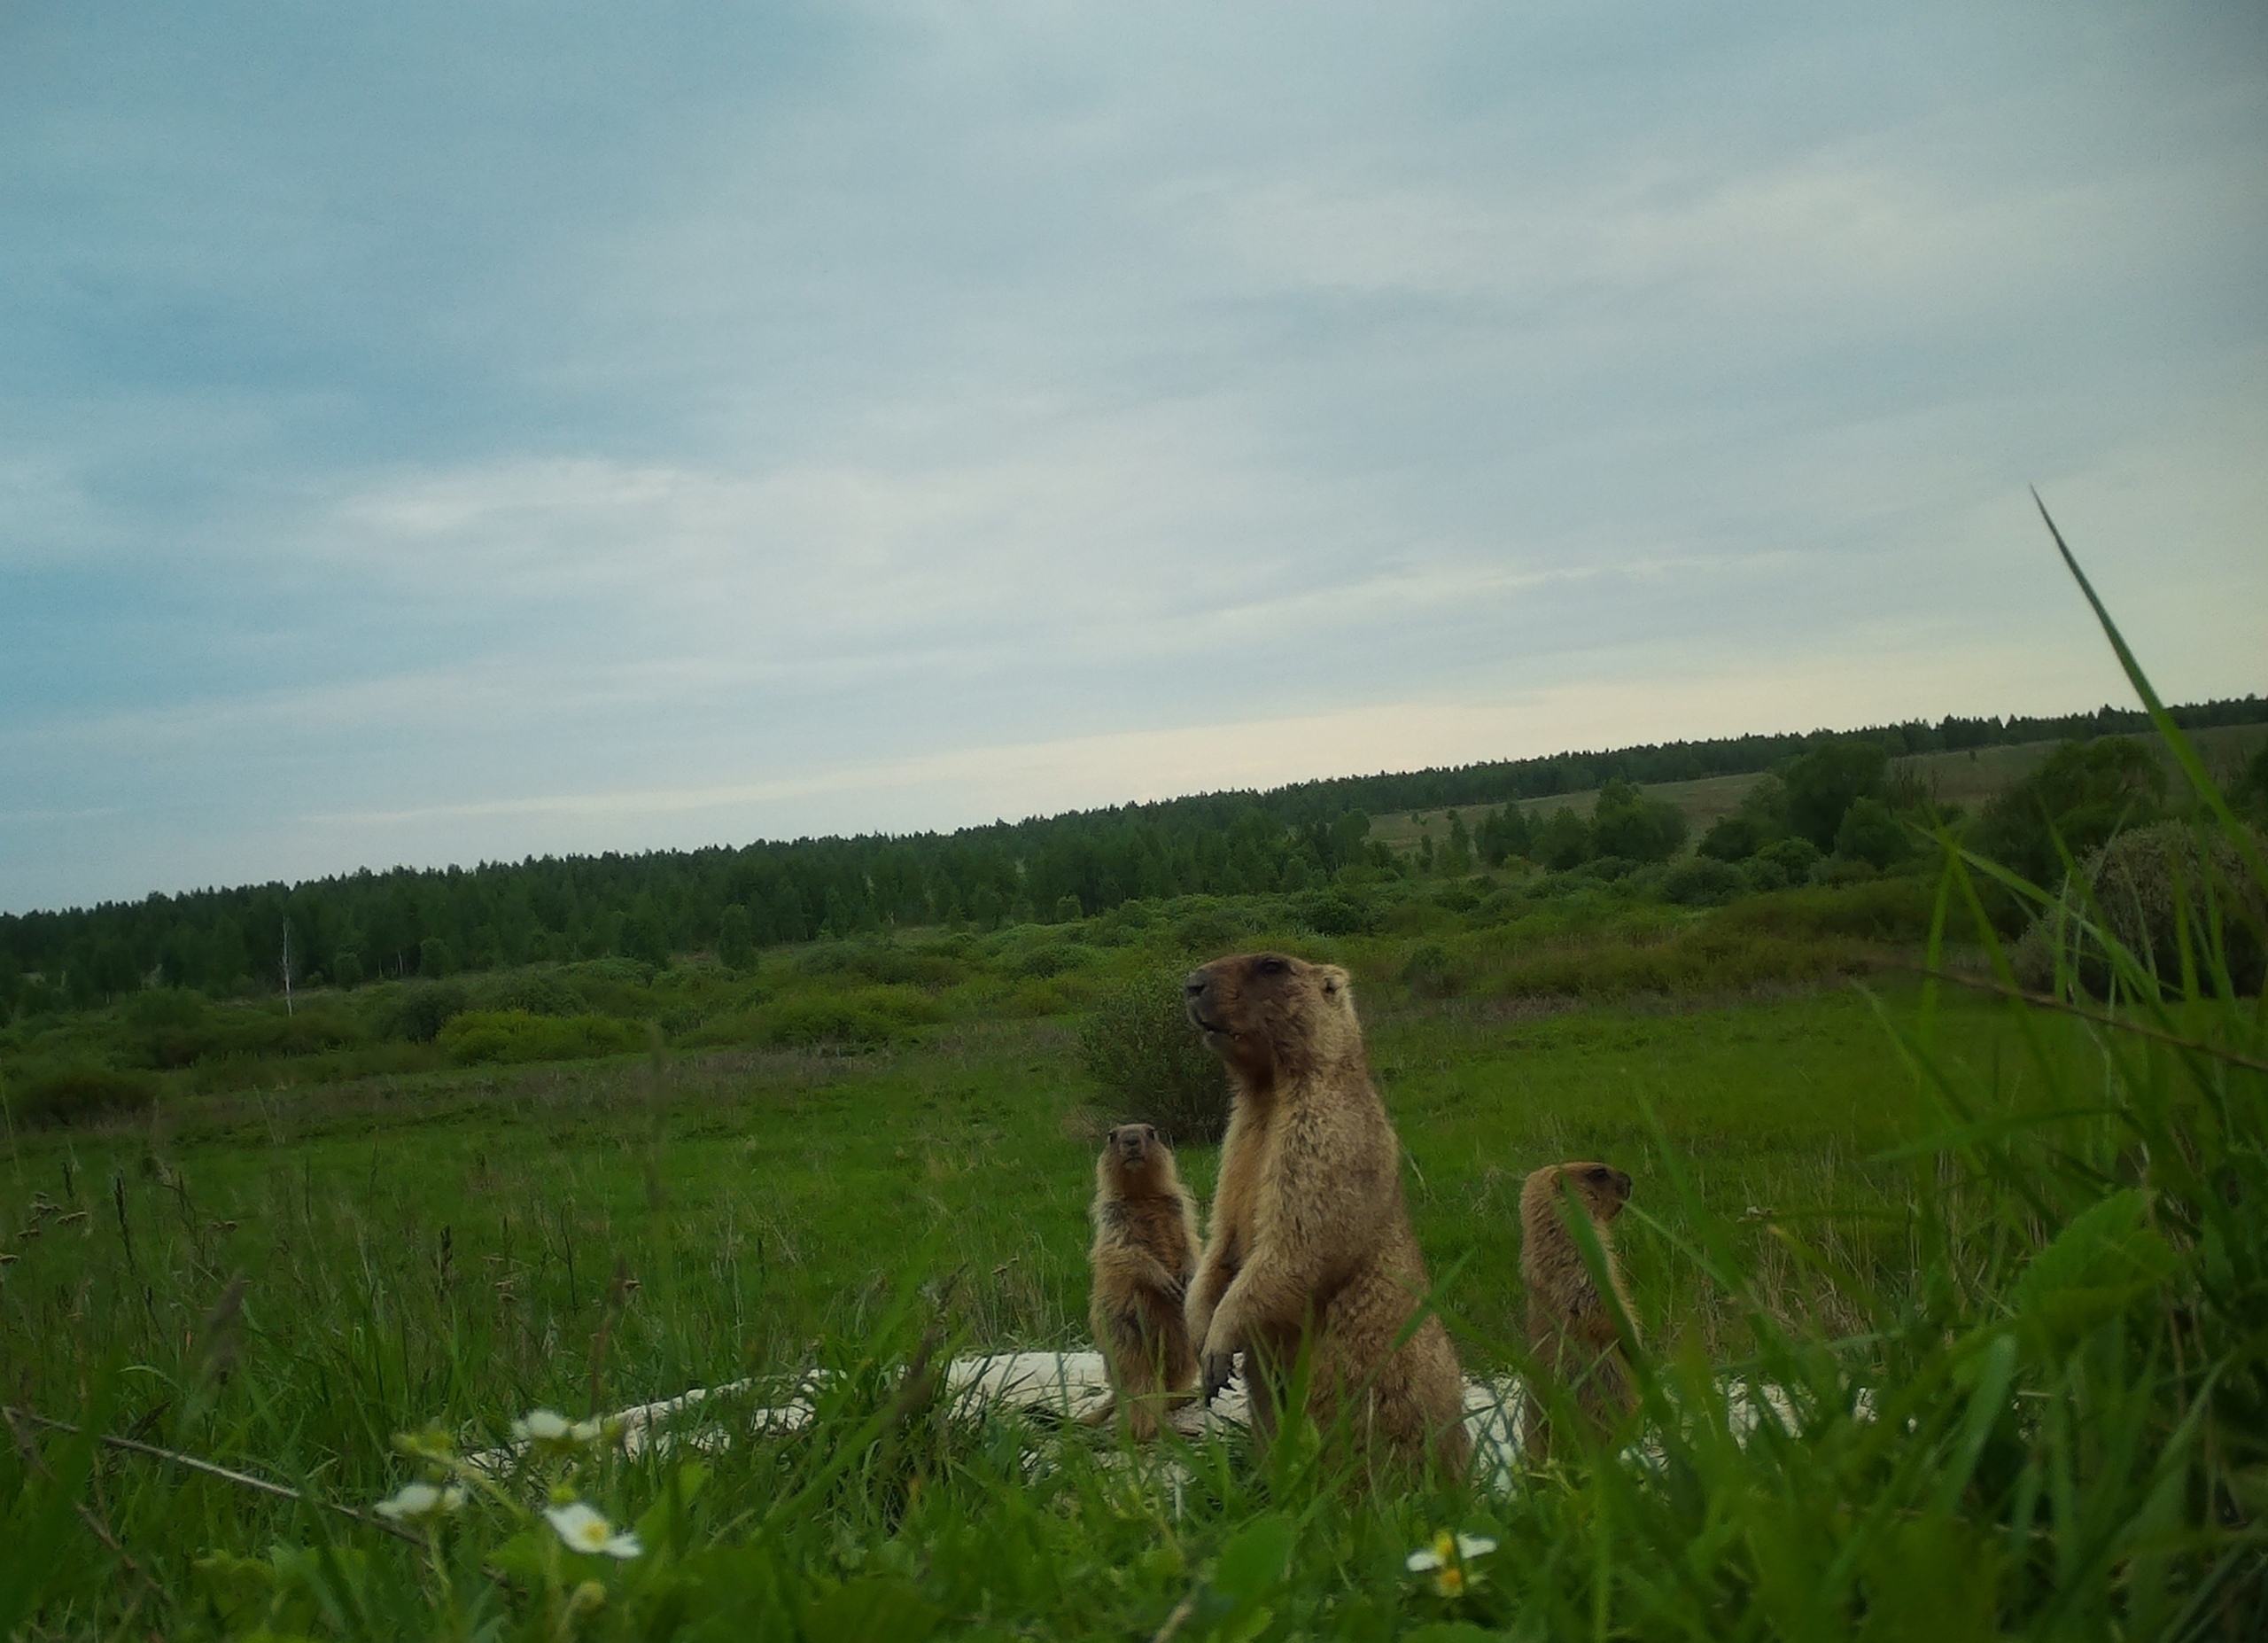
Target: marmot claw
x=1220, y=1369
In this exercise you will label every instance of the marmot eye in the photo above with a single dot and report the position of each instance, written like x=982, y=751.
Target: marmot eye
x=1272, y=966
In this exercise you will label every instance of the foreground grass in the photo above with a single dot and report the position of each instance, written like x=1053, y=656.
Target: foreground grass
x=286, y=1285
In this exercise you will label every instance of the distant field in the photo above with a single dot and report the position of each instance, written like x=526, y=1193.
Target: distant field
x=1964, y=778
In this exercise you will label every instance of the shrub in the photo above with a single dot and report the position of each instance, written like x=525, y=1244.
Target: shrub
x=73, y=1095
x=1706, y=962
x=1433, y=972
x=1628, y=823
x=1207, y=930
x=1335, y=913
x=1702, y=882
x=508, y=1036
x=1795, y=857
x=169, y=1026
x=538, y=994
x=1562, y=839
x=1869, y=833
x=855, y=1017
x=1137, y=1044
x=1890, y=909
x=2085, y=793
x=2146, y=885
x=1823, y=784
x=423, y=1008
x=1734, y=837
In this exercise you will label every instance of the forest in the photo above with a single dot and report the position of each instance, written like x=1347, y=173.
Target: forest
x=429, y=922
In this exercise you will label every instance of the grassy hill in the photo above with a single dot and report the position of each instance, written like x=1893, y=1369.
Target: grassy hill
x=1967, y=777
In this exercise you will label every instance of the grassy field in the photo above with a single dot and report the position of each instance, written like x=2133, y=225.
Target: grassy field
x=2005, y=1263
x=1967, y=779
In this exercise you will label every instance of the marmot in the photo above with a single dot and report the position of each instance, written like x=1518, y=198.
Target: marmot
x=1310, y=1242
x=1570, y=1332
x=1144, y=1254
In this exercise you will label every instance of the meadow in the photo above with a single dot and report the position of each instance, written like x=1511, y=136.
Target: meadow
x=1999, y=1250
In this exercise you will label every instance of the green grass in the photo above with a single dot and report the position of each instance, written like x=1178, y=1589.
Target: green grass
x=2008, y=1264
x=451, y=1247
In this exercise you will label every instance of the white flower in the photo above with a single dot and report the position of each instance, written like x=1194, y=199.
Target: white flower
x=413, y=1501
x=1446, y=1560
x=542, y=1426
x=585, y=1531
x=548, y=1430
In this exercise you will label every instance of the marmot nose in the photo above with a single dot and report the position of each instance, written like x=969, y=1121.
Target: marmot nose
x=1195, y=984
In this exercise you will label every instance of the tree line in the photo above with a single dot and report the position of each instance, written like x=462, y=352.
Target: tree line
x=731, y=901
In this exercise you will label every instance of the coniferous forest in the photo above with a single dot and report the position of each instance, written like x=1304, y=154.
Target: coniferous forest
x=408, y=921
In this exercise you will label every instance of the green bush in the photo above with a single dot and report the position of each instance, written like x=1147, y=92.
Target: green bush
x=1869, y=833
x=1562, y=839
x=1701, y=963
x=486, y=1037
x=854, y=1017
x=1702, y=882
x=1823, y=784
x=1433, y=972
x=1888, y=909
x=1628, y=823
x=2148, y=884
x=537, y=993
x=1138, y=1043
x=421, y=1008
x=76, y=1094
x=1335, y=913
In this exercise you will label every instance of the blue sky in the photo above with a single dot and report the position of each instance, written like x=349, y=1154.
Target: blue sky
x=434, y=433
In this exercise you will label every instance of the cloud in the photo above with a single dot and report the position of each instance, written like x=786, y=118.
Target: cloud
x=898, y=416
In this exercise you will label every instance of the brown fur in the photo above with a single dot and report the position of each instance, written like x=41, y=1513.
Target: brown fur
x=1570, y=1330
x=1311, y=1245
x=1144, y=1254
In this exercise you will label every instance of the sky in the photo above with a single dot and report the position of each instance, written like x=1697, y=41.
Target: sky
x=435, y=433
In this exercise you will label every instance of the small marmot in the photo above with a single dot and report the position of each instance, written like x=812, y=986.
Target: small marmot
x=1312, y=1244
x=1144, y=1254
x=1571, y=1331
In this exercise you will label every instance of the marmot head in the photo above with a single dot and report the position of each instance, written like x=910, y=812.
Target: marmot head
x=1133, y=1158
x=1268, y=1015
x=1600, y=1188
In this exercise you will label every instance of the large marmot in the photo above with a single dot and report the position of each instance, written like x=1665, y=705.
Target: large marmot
x=1571, y=1333
x=1310, y=1242
x=1144, y=1254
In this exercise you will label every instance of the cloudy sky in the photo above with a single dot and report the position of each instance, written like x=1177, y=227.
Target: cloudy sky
x=436, y=433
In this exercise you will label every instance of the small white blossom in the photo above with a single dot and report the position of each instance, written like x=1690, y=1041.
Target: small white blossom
x=413, y=1501
x=585, y=1531
x=542, y=1426
x=1446, y=1559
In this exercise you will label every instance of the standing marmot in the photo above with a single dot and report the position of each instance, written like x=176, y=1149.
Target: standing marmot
x=1570, y=1332
x=1144, y=1254
x=1310, y=1242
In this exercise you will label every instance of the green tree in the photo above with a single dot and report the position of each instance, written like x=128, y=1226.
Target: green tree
x=2085, y=793
x=1760, y=819
x=1628, y=824
x=434, y=959
x=1871, y=834
x=1346, y=836
x=1828, y=781
x=1562, y=840
x=1505, y=833
x=735, y=937
x=1457, y=853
